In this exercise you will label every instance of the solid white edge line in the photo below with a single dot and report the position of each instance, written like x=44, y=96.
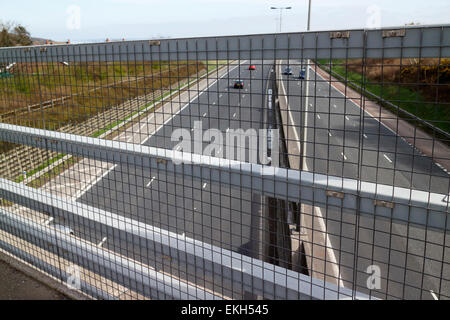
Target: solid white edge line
x=93, y=183
x=289, y=110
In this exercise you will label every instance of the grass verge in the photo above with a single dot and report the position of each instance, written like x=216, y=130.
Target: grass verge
x=404, y=95
x=41, y=180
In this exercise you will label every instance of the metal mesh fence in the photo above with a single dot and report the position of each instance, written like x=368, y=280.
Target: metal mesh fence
x=283, y=166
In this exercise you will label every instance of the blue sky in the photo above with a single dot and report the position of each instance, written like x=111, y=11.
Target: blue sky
x=142, y=19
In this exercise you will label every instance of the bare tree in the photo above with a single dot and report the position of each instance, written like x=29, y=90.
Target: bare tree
x=13, y=34
x=22, y=35
x=5, y=38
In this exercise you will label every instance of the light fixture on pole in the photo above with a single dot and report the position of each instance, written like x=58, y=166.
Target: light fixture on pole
x=281, y=12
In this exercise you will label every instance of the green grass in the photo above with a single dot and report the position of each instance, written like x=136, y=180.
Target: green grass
x=47, y=176
x=43, y=78
x=5, y=203
x=211, y=67
x=46, y=163
x=36, y=183
x=116, y=123
x=77, y=83
x=214, y=64
x=404, y=96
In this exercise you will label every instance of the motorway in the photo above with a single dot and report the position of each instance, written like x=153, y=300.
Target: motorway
x=215, y=214
x=337, y=143
x=337, y=130
x=341, y=140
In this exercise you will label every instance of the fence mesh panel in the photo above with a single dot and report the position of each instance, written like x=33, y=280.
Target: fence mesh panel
x=282, y=166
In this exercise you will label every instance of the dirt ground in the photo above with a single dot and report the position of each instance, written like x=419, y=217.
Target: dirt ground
x=15, y=285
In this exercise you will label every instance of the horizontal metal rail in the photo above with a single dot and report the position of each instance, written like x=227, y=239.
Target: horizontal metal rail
x=411, y=41
x=50, y=269
x=396, y=203
x=120, y=268
x=255, y=275
x=342, y=225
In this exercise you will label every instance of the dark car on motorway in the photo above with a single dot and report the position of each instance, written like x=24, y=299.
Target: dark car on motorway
x=302, y=73
x=238, y=84
x=287, y=70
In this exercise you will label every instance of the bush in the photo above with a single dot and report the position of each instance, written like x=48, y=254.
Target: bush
x=12, y=34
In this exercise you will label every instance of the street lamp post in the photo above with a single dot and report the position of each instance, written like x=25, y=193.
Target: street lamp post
x=303, y=152
x=281, y=12
x=309, y=15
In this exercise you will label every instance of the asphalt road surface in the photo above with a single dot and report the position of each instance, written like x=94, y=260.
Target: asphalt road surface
x=338, y=138
x=206, y=211
x=337, y=142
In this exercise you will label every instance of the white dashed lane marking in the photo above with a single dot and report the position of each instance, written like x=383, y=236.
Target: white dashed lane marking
x=48, y=221
x=102, y=242
x=153, y=179
x=387, y=158
x=433, y=295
